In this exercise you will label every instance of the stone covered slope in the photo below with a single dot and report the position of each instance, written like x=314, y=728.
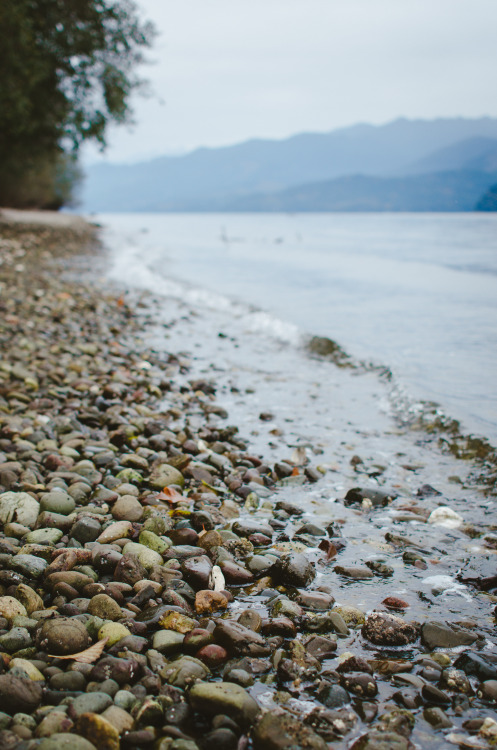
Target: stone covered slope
x=154, y=584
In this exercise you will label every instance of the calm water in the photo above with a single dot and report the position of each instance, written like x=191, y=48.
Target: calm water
x=416, y=292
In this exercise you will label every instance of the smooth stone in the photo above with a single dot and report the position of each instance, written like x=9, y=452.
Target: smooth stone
x=29, y=565
x=184, y=671
x=165, y=475
x=10, y=608
x=321, y=648
x=197, y=571
x=147, y=557
x=127, y=508
x=167, y=641
x=63, y=636
x=19, y=507
x=356, y=573
x=65, y=741
x=116, y=530
x=119, y=718
x=105, y=607
x=98, y=731
x=239, y=640
x=29, y=598
x=153, y=541
x=114, y=632
x=57, y=502
x=19, y=694
x=44, y=536
x=293, y=569
x=15, y=640
x=85, y=530
x=235, y=574
x=213, y=698
x=282, y=731
x=441, y=635
x=89, y=702
x=28, y=667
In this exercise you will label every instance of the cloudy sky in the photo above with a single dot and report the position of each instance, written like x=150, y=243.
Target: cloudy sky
x=223, y=71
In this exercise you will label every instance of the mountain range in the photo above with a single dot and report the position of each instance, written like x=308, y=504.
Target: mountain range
x=405, y=165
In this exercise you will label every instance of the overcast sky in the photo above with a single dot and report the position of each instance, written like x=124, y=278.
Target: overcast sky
x=223, y=71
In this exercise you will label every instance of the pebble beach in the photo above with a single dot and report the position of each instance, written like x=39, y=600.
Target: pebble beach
x=175, y=575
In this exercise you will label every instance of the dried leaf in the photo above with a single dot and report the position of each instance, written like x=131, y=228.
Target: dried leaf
x=171, y=495
x=87, y=656
x=295, y=472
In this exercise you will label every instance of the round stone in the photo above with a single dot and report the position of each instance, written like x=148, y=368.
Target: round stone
x=63, y=636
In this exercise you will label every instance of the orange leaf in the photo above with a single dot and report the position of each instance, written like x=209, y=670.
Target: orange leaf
x=87, y=656
x=120, y=301
x=171, y=495
x=295, y=472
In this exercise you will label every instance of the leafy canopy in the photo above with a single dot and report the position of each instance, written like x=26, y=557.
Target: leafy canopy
x=66, y=72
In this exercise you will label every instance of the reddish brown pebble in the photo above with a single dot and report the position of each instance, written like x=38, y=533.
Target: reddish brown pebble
x=392, y=602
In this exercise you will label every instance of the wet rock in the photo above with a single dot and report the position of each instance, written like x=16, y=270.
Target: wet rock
x=65, y=741
x=89, y=702
x=440, y=635
x=212, y=698
x=207, y=602
x=127, y=508
x=129, y=570
x=197, y=571
x=97, y=730
x=356, y=573
x=121, y=670
x=377, y=740
x=487, y=691
x=438, y=719
x=105, y=607
x=185, y=671
x=168, y=641
x=375, y=498
x=235, y=574
x=332, y=695
x=478, y=665
x=239, y=640
x=331, y=724
x=29, y=565
x=57, y=502
x=293, y=569
x=384, y=629
x=18, y=694
x=165, y=475
x=11, y=608
x=114, y=632
x=321, y=648
x=282, y=731
x=63, y=636
x=85, y=530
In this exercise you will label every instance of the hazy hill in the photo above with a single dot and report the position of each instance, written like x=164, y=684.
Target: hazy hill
x=471, y=153
x=214, y=179
x=441, y=191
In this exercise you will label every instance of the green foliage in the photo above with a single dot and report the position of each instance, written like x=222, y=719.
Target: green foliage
x=66, y=72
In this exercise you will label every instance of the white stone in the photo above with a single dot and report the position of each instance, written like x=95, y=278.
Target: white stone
x=445, y=516
x=19, y=507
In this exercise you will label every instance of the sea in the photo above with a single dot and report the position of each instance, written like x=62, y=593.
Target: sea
x=415, y=294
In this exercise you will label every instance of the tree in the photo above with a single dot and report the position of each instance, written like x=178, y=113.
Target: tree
x=66, y=72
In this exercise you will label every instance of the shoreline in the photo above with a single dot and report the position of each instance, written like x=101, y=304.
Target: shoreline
x=250, y=583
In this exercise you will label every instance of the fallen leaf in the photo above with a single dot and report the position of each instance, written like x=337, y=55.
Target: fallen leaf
x=328, y=548
x=87, y=656
x=171, y=495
